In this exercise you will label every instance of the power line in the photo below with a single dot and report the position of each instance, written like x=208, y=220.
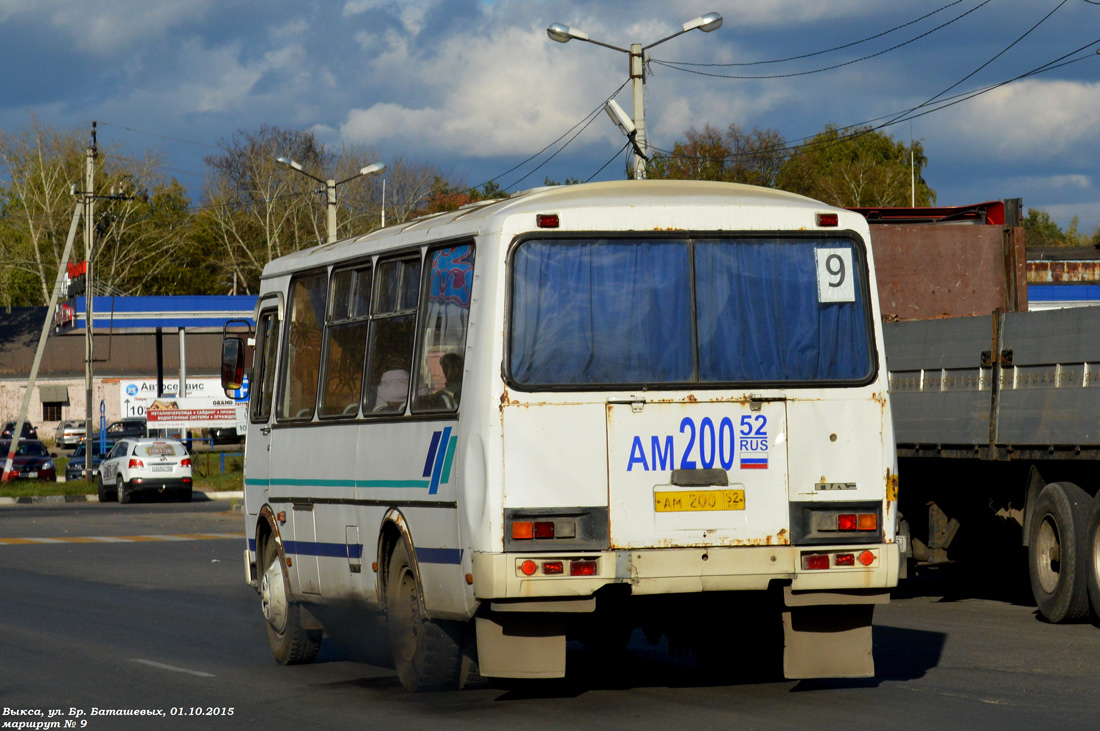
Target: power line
x=682, y=67
x=163, y=137
x=585, y=121
x=824, y=51
x=621, y=149
x=904, y=116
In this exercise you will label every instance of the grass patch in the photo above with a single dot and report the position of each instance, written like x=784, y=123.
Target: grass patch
x=206, y=471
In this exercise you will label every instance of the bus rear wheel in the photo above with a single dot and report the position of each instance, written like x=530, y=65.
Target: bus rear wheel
x=291, y=643
x=425, y=653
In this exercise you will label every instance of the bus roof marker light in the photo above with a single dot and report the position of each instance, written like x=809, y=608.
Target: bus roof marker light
x=547, y=220
x=828, y=220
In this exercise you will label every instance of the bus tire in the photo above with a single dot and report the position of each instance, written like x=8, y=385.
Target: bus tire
x=291, y=643
x=425, y=653
x=1057, y=559
x=1092, y=555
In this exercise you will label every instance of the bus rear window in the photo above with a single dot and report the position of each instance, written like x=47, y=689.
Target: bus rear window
x=671, y=312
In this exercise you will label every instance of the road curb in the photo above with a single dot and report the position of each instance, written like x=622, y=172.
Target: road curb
x=45, y=499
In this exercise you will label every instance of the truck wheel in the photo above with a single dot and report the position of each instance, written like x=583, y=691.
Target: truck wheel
x=425, y=653
x=291, y=643
x=1057, y=557
x=1092, y=555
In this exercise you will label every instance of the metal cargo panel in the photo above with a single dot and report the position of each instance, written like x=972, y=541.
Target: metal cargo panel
x=941, y=394
x=929, y=271
x=1050, y=394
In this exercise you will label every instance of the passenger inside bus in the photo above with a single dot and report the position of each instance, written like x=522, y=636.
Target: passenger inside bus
x=392, y=391
x=451, y=363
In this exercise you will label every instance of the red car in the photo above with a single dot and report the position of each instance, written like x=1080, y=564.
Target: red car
x=32, y=461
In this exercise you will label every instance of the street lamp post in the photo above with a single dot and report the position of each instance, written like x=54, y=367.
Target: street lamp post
x=330, y=187
x=636, y=52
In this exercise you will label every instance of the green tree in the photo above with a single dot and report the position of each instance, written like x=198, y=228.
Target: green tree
x=733, y=156
x=857, y=167
x=1041, y=231
x=132, y=245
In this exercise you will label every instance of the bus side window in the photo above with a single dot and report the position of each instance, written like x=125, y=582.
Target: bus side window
x=346, y=341
x=263, y=368
x=393, y=317
x=302, y=362
x=450, y=274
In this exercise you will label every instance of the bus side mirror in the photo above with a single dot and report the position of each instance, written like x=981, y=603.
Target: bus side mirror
x=232, y=365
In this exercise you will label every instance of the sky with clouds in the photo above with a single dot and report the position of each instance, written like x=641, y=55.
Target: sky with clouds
x=477, y=88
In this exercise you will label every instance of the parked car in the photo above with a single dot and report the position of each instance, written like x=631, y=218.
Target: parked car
x=32, y=460
x=126, y=428
x=145, y=466
x=74, y=470
x=29, y=432
x=225, y=435
x=69, y=433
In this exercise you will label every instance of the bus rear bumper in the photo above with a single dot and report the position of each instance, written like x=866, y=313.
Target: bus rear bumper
x=515, y=576
x=826, y=613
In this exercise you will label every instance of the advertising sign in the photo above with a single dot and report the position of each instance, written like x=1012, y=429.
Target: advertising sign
x=136, y=395
x=194, y=413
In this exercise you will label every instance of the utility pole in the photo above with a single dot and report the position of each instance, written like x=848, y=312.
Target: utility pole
x=89, y=244
x=637, y=73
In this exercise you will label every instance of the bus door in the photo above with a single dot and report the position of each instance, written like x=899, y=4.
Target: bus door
x=258, y=443
x=697, y=474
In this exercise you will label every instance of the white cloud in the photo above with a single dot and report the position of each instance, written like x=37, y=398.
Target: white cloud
x=107, y=26
x=506, y=95
x=1033, y=119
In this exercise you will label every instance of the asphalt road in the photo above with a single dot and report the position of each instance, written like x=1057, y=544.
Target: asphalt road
x=158, y=617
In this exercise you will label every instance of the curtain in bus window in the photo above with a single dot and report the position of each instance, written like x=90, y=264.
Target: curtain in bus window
x=450, y=278
x=392, y=335
x=601, y=312
x=760, y=319
x=303, y=356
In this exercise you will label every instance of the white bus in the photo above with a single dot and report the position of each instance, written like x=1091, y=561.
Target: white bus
x=569, y=414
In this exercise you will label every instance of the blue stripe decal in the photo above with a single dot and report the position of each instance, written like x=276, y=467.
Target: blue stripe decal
x=439, y=555
x=327, y=550
x=440, y=457
x=451, y=556
x=431, y=455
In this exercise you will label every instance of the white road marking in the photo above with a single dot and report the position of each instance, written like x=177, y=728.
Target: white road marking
x=172, y=668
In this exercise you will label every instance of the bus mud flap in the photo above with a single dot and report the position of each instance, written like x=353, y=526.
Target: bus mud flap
x=521, y=646
x=828, y=634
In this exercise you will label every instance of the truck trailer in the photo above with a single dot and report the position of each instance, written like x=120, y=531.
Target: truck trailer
x=996, y=408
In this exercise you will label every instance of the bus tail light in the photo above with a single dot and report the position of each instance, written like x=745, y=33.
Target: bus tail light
x=837, y=559
x=582, y=568
x=526, y=530
x=815, y=561
x=824, y=522
x=558, y=567
x=560, y=531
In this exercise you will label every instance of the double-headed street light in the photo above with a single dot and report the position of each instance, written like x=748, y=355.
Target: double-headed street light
x=564, y=34
x=330, y=187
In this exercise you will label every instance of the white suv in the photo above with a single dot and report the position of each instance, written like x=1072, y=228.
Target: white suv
x=151, y=466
